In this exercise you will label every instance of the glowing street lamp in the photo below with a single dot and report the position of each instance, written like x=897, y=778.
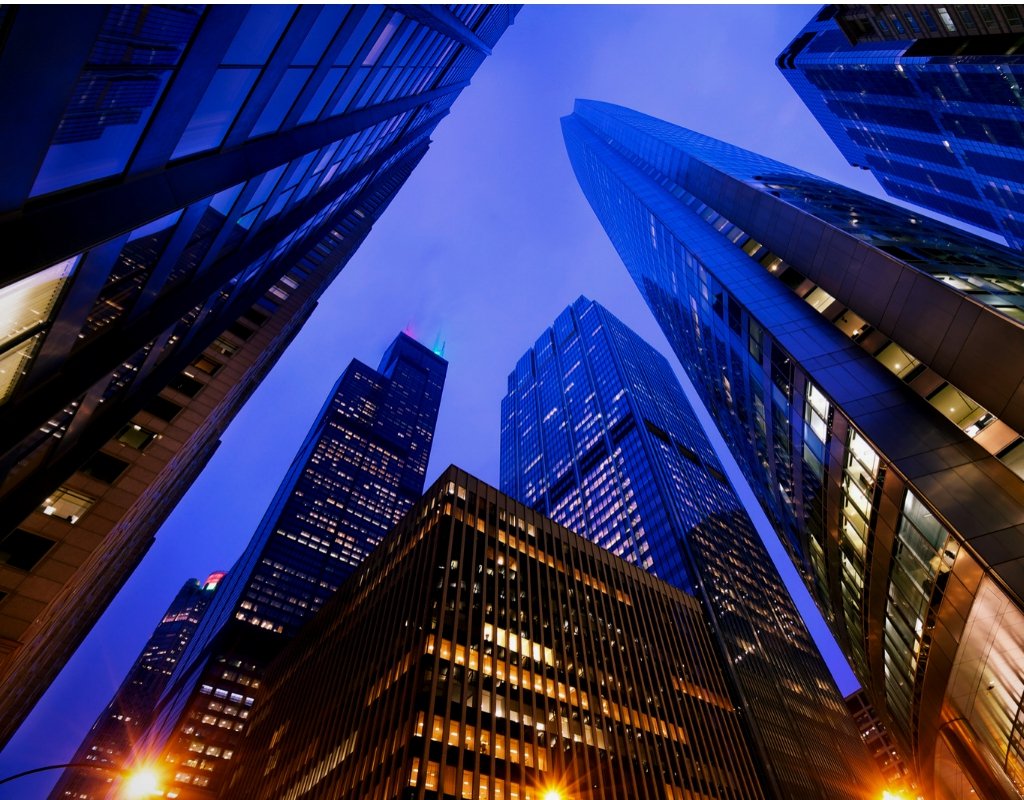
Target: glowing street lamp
x=553, y=794
x=141, y=783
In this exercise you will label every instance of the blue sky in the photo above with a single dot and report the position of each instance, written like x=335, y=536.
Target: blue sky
x=488, y=241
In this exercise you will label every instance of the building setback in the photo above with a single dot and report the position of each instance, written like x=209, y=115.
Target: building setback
x=872, y=402
x=126, y=716
x=929, y=98
x=485, y=652
x=598, y=435
x=361, y=467
x=188, y=182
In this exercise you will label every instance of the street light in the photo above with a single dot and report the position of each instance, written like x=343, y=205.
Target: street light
x=138, y=783
x=553, y=794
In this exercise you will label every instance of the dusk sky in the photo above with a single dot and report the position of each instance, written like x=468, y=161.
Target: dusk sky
x=488, y=241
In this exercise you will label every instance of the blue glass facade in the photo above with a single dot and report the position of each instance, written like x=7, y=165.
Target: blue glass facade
x=598, y=435
x=361, y=467
x=938, y=119
x=189, y=180
x=126, y=716
x=844, y=369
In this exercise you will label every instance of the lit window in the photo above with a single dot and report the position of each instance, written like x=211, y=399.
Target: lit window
x=67, y=505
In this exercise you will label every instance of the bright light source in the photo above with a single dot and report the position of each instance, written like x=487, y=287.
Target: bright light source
x=141, y=783
x=553, y=794
x=892, y=796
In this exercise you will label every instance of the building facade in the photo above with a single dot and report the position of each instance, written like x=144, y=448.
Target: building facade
x=872, y=401
x=188, y=182
x=361, y=467
x=114, y=733
x=485, y=652
x=598, y=435
x=880, y=744
x=929, y=98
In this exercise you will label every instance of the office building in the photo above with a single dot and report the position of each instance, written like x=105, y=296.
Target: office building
x=880, y=744
x=929, y=98
x=872, y=400
x=126, y=716
x=360, y=468
x=598, y=435
x=188, y=181
x=485, y=652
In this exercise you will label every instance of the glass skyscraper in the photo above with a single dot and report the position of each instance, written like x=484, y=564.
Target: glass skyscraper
x=484, y=652
x=598, y=435
x=119, y=727
x=361, y=467
x=929, y=98
x=872, y=398
x=187, y=182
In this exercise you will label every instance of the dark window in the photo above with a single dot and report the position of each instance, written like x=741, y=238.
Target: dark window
x=104, y=467
x=23, y=550
x=135, y=436
x=162, y=408
x=187, y=385
x=241, y=331
x=207, y=365
x=255, y=316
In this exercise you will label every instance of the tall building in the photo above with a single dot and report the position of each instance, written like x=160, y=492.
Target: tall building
x=929, y=98
x=880, y=744
x=872, y=400
x=485, y=652
x=116, y=730
x=188, y=181
x=360, y=468
x=598, y=435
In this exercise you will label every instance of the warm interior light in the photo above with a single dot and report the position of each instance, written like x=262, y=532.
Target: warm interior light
x=141, y=783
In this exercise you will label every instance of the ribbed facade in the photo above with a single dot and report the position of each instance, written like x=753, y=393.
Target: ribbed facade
x=361, y=467
x=873, y=405
x=114, y=733
x=598, y=435
x=485, y=652
x=929, y=98
x=189, y=180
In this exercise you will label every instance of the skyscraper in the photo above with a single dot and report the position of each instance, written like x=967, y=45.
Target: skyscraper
x=598, y=435
x=126, y=716
x=361, y=467
x=485, y=652
x=188, y=181
x=929, y=98
x=871, y=398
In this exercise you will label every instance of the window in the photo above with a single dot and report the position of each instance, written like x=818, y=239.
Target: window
x=162, y=408
x=207, y=365
x=23, y=550
x=186, y=384
x=104, y=467
x=241, y=331
x=135, y=436
x=67, y=505
x=947, y=20
x=217, y=110
x=224, y=347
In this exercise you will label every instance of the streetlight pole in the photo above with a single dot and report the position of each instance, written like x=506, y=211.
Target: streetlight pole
x=138, y=783
x=72, y=765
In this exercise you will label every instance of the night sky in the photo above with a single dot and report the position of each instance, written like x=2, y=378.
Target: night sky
x=488, y=241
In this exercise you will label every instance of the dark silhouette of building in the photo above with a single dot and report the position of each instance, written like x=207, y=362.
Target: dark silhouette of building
x=188, y=181
x=929, y=98
x=361, y=467
x=873, y=402
x=598, y=435
x=119, y=727
x=484, y=651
